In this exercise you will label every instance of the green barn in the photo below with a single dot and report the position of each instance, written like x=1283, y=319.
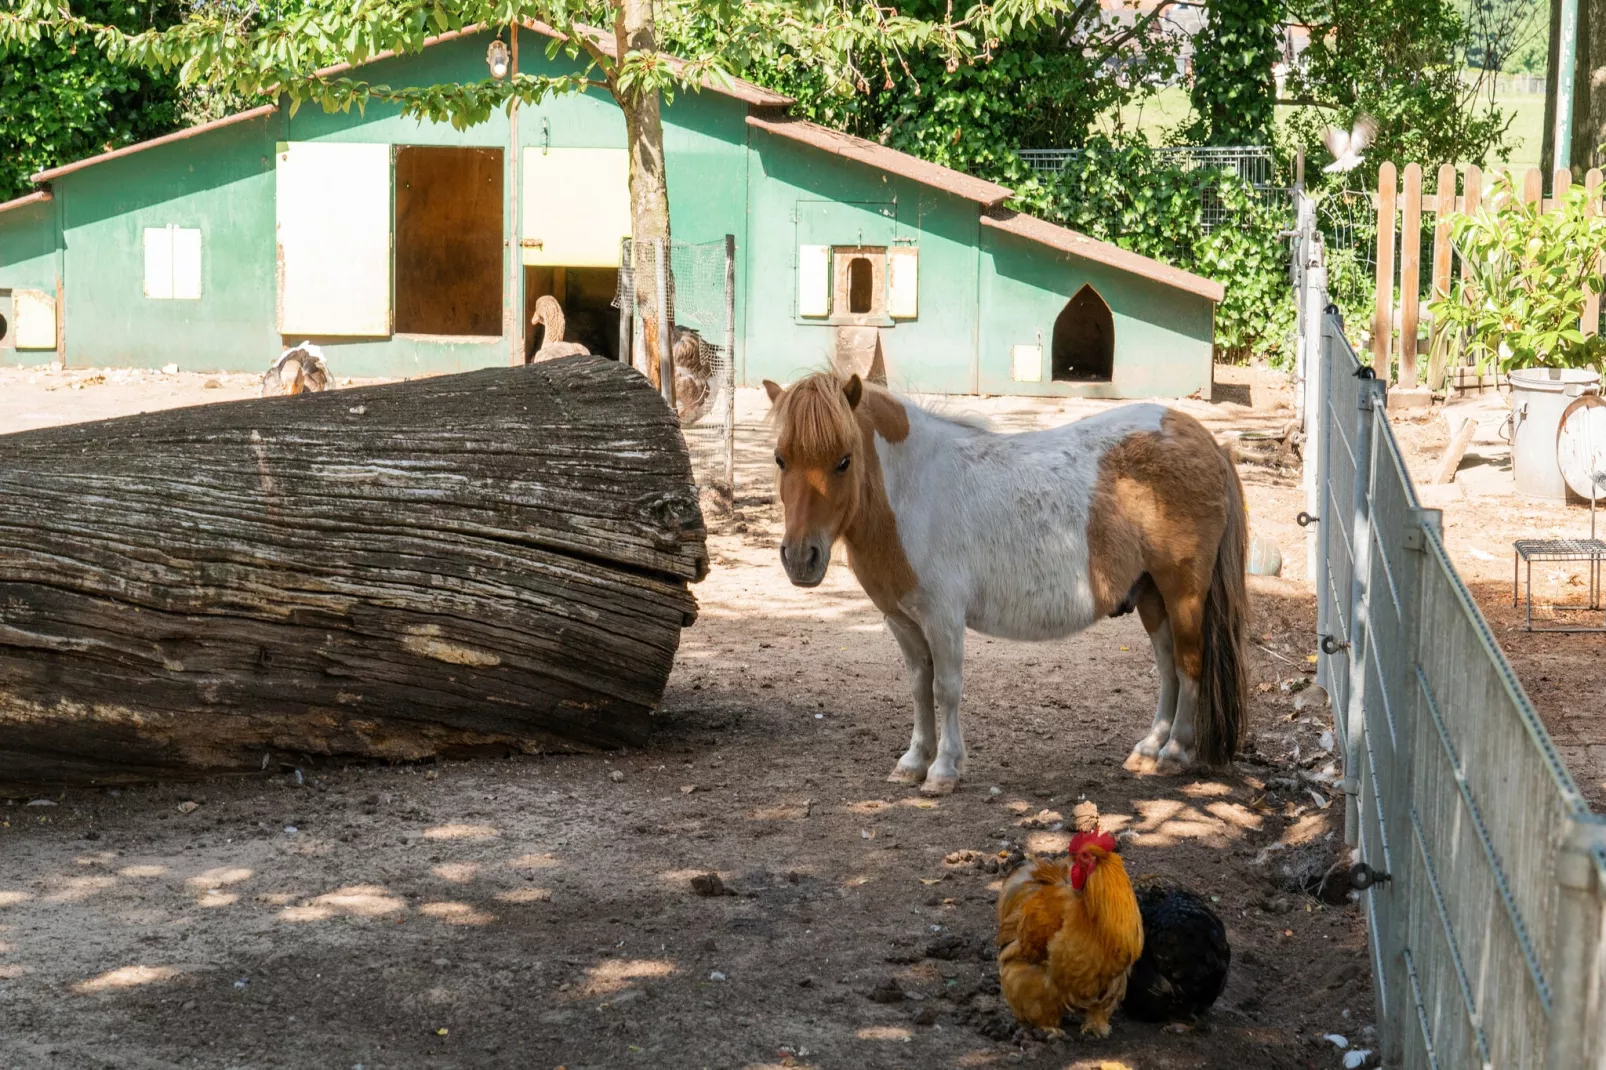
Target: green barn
x=406, y=247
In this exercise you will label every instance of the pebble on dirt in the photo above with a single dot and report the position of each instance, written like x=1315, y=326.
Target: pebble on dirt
x=709, y=885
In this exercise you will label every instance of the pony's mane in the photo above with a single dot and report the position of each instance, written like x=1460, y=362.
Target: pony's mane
x=814, y=414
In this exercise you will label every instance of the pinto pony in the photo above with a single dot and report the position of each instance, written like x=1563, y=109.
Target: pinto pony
x=1024, y=536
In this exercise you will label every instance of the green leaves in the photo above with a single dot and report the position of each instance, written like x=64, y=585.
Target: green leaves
x=1530, y=272
x=1234, y=91
x=1121, y=192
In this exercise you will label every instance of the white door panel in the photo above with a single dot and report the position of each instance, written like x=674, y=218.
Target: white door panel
x=334, y=218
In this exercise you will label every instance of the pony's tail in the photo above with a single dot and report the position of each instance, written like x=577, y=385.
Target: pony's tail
x=1223, y=681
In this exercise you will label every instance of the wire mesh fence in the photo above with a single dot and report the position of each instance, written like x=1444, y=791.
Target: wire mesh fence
x=1254, y=165
x=698, y=297
x=1486, y=913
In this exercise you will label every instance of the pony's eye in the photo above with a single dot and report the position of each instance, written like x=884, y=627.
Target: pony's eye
x=842, y=465
x=780, y=463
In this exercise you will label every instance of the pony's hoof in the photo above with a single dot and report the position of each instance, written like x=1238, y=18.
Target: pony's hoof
x=939, y=785
x=1170, y=765
x=1096, y=1029
x=1138, y=762
x=904, y=775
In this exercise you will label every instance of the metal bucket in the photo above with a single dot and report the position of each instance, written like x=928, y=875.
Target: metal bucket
x=1538, y=398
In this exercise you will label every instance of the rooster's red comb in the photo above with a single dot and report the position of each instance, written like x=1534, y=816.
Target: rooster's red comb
x=1102, y=840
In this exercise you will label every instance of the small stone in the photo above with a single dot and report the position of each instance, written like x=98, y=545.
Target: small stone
x=170, y=369
x=91, y=835
x=290, y=830
x=41, y=802
x=927, y=1016
x=211, y=384
x=616, y=776
x=806, y=982
x=995, y=790
x=189, y=1005
x=709, y=885
x=188, y=807
x=716, y=975
x=887, y=991
x=1336, y=1040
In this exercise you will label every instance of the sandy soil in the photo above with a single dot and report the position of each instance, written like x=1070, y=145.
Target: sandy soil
x=539, y=911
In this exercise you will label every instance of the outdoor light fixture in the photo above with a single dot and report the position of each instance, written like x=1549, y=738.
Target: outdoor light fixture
x=496, y=59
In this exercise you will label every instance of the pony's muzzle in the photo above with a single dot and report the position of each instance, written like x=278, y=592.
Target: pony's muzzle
x=806, y=560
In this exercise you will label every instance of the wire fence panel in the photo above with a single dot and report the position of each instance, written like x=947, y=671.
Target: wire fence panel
x=1488, y=939
x=700, y=288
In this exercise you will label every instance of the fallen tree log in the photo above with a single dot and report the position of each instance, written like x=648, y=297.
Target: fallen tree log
x=497, y=560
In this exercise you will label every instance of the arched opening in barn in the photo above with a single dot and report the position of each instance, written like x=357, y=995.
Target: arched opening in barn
x=1084, y=340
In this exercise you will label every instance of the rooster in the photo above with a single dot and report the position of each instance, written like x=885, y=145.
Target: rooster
x=1068, y=935
x=1185, y=955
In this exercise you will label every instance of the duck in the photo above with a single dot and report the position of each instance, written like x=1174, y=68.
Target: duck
x=549, y=313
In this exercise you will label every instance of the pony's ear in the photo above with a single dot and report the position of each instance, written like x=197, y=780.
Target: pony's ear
x=773, y=389
x=854, y=389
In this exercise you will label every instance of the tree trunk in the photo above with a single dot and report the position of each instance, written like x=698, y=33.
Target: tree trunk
x=1589, y=122
x=490, y=562
x=649, y=190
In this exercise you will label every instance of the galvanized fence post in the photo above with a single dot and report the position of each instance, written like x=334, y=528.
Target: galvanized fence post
x=730, y=375
x=1313, y=352
x=1578, y=978
x=1372, y=396
x=666, y=341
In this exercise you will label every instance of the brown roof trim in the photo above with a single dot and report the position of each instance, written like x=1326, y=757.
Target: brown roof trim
x=988, y=194
x=1069, y=241
x=37, y=197
x=179, y=135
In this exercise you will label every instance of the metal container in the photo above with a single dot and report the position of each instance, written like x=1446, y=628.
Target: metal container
x=1538, y=398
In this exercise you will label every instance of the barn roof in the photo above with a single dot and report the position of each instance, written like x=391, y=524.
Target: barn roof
x=37, y=197
x=849, y=147
x=1078, y=244
x=744, y=91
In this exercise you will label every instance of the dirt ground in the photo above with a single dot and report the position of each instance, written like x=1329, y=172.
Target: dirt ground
x=539, y=911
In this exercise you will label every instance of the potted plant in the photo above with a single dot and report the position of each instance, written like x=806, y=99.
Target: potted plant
x=1517, y=310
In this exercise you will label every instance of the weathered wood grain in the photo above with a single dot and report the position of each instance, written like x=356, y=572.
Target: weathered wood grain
x=496, y=559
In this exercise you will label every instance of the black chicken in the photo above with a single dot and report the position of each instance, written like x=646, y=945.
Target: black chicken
x=1185, y=954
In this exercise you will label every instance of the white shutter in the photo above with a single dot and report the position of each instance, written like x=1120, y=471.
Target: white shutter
x=34, y=319
x=334, y=215
x=159, y=263
x=186, y=263
x=1026, y=364
x=903, y=283
x=576, y=206
x=813, y=280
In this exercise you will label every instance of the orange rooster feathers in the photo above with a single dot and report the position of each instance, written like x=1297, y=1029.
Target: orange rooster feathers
x=1068, y=934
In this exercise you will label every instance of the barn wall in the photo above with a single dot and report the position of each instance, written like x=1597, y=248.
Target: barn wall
x=29, y=242
x=1163, y=335
x=220, y=183
x=800, y=195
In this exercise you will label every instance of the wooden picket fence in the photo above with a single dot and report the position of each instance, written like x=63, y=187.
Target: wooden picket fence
x=1401, y=206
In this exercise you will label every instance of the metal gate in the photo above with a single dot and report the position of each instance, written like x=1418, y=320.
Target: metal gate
x=699, y=281
x=1488, y=938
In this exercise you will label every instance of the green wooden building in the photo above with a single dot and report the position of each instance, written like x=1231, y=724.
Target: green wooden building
x=406, y=247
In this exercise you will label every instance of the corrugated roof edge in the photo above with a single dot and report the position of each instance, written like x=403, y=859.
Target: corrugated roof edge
x=971, y=188
x=1057, y=237
x=37, y=197
x=165, y=139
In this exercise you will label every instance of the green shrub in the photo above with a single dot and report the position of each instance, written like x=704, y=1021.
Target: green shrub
x=1123, y=193
x=1530, y=272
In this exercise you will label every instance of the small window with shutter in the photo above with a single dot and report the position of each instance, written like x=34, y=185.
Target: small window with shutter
x=903, y=283
x=173, y=263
